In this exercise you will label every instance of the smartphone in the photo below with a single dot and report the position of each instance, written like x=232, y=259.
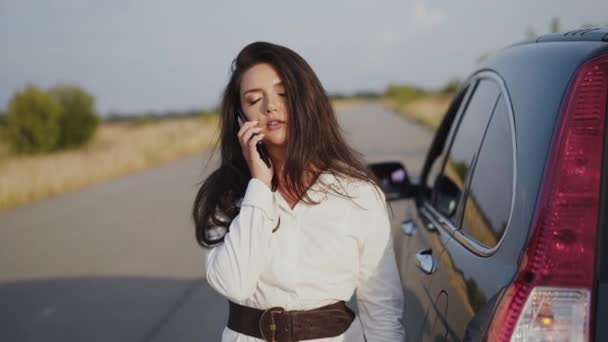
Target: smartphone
x=260, y=145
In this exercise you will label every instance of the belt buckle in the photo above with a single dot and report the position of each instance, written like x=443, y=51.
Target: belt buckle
x=268, y=325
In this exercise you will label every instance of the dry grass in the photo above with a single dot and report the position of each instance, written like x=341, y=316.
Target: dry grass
x=428, y=110
x=116, y=149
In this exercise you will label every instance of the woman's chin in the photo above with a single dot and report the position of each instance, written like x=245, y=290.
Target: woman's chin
x=275, y=140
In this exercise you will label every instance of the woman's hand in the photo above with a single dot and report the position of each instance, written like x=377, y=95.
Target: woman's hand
x=248, y=136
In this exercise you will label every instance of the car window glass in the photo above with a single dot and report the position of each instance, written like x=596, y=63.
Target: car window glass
x=488, y=203
x=437, y=164
x=467, y=138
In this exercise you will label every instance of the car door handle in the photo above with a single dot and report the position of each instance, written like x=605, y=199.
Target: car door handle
x=408, y=227
x=425, y=261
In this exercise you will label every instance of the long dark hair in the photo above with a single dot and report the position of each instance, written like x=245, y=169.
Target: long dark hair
x=315, y=141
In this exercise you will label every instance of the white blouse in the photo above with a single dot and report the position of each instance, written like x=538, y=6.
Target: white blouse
x=320, y=254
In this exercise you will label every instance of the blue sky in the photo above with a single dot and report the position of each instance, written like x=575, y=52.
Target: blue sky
x=137, y=55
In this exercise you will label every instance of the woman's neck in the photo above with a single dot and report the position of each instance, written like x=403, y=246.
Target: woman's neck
x=278, y=155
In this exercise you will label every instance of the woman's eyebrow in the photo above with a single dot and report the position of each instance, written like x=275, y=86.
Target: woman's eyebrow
x=252, y=91
x=276, y=84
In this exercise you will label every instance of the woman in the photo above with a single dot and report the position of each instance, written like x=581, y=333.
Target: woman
x=289, y=241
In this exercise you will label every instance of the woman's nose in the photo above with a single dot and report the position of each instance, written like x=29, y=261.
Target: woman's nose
x=272, y=105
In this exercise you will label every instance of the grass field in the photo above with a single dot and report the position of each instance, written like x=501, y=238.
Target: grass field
x=428, y=110
x=116, y=149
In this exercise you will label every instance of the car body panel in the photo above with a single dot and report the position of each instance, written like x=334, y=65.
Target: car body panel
x=458, y=300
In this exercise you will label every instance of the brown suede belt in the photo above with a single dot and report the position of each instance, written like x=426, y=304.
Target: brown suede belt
x=276, y=324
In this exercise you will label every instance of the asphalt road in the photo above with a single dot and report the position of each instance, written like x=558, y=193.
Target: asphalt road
x=117, y=261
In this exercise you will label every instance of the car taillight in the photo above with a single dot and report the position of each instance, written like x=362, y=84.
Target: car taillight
x=550, y=298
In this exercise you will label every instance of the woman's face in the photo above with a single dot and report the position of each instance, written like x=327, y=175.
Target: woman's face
x=263, y=99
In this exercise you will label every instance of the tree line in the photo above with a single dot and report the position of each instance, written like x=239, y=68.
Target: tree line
x=44, y=120
x=62, y=117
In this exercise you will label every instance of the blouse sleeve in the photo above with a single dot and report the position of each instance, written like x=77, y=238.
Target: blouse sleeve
x=234, y=266
x=379, y=292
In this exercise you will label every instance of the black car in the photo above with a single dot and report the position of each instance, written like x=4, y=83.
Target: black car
x=504, y=234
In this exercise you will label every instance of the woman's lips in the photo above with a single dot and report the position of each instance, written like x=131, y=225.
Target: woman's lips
x=274, y=125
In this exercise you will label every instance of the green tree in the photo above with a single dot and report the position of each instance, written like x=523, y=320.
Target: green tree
x=78, y=120
x=32, y=121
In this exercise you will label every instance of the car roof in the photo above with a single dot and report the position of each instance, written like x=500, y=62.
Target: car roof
x=588, y=34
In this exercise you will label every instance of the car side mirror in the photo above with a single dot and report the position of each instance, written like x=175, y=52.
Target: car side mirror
x=394, y=180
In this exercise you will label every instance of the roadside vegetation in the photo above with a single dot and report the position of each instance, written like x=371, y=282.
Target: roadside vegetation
x=421, y=105
x=117, y=148
x=53, y=141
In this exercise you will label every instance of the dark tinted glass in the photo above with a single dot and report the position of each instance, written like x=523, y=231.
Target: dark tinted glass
x=468, y=134
x=489, y=198
x=442, y=137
